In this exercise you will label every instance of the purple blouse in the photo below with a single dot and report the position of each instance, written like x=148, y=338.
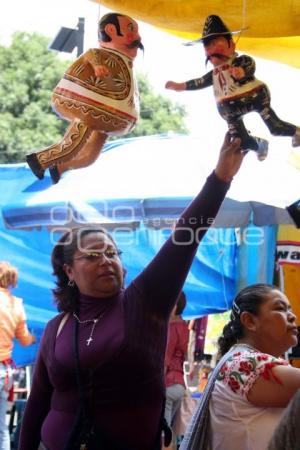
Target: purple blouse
x=123, y=367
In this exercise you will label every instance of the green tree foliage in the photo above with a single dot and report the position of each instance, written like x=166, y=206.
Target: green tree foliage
x=158, y=114
x=28, y=74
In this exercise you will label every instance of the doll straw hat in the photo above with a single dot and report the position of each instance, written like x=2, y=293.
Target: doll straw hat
x=213, y=27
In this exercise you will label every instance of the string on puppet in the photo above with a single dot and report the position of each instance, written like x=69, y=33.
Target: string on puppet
x=237, y=91
x=99, y=12
x=98, y=95
x=244, y=21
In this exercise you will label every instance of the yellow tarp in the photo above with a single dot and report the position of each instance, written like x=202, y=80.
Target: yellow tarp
x=288, y=234
x=273, y=25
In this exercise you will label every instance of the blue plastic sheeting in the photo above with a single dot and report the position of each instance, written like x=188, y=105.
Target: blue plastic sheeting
x=29, y=252
x=256, y=255
x=150, y=177
x=26, y=201
x=210, y=285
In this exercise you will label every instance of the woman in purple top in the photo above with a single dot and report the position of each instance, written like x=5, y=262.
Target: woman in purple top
x=111, y=340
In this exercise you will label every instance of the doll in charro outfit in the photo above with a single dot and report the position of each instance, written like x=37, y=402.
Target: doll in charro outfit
x=98, y=94
x=237, y=91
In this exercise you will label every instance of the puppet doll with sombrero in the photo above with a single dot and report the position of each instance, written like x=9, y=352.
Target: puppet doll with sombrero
x=237, y=91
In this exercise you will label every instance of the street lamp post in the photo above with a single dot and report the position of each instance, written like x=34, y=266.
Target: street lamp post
x=69, y=38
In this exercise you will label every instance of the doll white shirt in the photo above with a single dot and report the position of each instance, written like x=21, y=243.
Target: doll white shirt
x=226, y=88
x=235, y=423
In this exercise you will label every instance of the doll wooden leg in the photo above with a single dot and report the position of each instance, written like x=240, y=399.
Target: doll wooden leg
x=88, y=153
x=72, y=142
x=236, y=127
x=276, y=126
x=233, y=114
x=259, y=145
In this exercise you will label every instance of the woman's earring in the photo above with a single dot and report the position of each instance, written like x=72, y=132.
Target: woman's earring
x=71, y=283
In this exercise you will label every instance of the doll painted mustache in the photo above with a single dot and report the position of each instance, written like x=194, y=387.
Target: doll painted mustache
x=136, y=43
x=216, y=55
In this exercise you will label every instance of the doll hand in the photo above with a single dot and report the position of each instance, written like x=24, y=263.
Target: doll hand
x=101, y=71
x=175, y=86
x=237, y=72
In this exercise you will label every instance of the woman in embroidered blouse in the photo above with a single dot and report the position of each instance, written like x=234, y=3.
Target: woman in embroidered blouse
x=122, y=332
x=255, y=384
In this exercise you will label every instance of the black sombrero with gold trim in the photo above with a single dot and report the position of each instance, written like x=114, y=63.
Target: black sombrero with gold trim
x=213, y=26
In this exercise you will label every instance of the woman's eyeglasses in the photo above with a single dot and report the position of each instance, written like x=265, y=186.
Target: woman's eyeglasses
x=96, y=256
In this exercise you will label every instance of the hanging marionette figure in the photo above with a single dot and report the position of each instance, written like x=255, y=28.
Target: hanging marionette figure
x=98, y=95
x=237, y=91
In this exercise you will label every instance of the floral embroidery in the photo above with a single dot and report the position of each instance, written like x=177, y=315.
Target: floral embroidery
x=222, y=372
x=233, y=383
x=262, y=357
x=243, y=368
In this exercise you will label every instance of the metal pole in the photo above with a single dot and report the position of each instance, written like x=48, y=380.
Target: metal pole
x=80, y=36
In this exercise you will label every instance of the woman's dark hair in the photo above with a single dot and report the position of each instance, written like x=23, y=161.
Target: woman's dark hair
x=180, y=304
x=112, y=18
x=248, y=299
x=66, y=296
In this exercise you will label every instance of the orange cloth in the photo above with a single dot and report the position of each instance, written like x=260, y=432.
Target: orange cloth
x=12, y=323
x=292, y=287
x=288, y=256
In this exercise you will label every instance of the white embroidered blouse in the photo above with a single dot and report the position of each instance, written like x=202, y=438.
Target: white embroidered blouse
x=235, y=423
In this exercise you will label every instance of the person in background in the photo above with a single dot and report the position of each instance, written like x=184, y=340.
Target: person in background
x=254, y=383
x=191, y=349
x=99, y=375
x=176, y=353
x=12, y=325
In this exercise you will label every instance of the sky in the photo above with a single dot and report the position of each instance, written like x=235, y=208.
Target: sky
x=165, y=58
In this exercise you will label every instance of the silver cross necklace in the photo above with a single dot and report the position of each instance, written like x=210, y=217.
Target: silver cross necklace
x=93, y=321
